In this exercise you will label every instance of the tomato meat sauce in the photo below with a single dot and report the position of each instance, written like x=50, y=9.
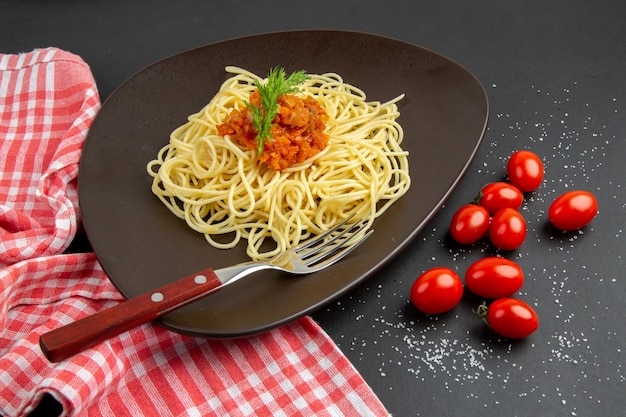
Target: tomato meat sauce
x=297, y=130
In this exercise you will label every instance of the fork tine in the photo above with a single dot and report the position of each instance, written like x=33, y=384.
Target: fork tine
x=336, y=255
x=326, y=249
x=320, y=238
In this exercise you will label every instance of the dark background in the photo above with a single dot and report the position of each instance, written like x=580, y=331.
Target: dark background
x=555, y=74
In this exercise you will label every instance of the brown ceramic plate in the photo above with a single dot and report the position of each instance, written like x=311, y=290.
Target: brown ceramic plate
x=141, y=245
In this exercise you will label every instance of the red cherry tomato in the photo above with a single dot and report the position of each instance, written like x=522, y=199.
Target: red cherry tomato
x=498, y=195
x=494, y=277
x=510, y=317
x=525, y=170
x=573, y=210
x=507, y=230
x=469, y=223
x=436, y=291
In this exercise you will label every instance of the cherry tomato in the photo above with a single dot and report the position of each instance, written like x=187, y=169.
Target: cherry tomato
x=436, y=291
x=510, y=317
x=507, y=230
x=525, y=170
x=498, y=195
x=469, y=223
x=573, y=210
x=494, y=277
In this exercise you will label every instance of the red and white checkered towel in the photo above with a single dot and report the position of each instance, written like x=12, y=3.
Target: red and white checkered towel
x=48, y=100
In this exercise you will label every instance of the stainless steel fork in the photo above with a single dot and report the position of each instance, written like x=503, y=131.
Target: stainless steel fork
x=310, y=256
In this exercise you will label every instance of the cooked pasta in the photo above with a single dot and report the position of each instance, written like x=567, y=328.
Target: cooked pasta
x=223, y=191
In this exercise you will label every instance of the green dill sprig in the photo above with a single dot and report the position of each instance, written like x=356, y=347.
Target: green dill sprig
x=278, y=83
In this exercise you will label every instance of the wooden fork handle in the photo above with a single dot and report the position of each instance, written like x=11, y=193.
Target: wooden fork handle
x=68, y=340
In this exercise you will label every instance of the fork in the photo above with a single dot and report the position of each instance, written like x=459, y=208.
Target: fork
x=309, y=256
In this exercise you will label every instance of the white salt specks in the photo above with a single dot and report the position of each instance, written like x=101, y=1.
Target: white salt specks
x=570, y=347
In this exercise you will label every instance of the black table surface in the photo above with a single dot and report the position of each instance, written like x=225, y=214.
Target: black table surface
x=555, y=75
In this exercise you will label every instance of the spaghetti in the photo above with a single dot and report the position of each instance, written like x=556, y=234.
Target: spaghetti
x=222, y=190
